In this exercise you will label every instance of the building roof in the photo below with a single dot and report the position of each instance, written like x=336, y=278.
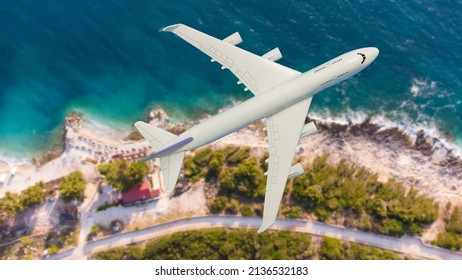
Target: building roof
x=140, y=192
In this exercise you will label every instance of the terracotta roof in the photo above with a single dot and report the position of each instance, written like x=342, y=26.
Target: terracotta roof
x=139, y=192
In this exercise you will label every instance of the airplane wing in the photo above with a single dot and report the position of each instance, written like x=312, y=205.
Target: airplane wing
x=257, y=73
x=284, y=129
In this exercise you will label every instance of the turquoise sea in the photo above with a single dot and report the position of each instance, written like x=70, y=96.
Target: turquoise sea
x=108, y=60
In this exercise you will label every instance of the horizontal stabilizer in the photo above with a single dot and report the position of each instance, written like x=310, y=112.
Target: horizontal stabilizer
x=168, y=149
x=157, y=137
x=164, y=142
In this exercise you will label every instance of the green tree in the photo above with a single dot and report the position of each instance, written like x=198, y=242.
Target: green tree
x=310, y=197
x=32, y=195
x=53, y=249
x=378, y=208
x=232, y=206
x=455, y=221
x=448, y=240
x=122, y=253
x=190, y=169
x=354, y=192
x=249, y=179
x=219, y=204
x=10, y=204
x=219, y=244
x=292, y=212
x=137, y=171
x=394, y=227
x=246, y=210
x=365, y=222
x=226, y=183
x=331, y=249
x=215, y=166
x=122, y=176
x=236, y=155
x=354, y=251
x=201, y=156
x=72, y=187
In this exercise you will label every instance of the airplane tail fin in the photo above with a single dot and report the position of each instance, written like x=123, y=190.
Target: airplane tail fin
x=170, y=164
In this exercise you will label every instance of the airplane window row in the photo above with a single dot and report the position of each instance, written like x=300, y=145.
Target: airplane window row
x=328, y=81
x=342, y=74
x=338, y=60
x=317, y=70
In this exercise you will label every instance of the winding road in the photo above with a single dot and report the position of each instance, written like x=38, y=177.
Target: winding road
x=406, y=244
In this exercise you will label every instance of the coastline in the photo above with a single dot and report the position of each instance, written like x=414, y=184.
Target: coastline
x=420, y=159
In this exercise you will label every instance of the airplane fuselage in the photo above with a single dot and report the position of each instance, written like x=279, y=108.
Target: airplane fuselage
x=278, y=98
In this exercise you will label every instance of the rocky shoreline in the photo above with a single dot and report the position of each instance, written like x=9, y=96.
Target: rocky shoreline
x=430, y=147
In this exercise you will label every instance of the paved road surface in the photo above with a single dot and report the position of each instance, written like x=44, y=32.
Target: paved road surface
x=407, y=245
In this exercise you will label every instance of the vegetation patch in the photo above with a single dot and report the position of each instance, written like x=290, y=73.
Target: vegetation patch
x=72, y=187
x=34, y=246
x=452, y=238
x=107, y=206
x=335, y=249
x=122, y=175
x=356, y=195
x=218, y=244
x=13, y=203
x=237, y=176
x=340, y=194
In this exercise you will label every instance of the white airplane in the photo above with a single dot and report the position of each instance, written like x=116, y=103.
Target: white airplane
x=282, y=96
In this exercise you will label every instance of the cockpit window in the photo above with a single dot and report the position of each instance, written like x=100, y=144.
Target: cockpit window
x=364, y=57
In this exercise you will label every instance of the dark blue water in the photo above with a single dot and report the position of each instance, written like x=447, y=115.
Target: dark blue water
x=108, y=60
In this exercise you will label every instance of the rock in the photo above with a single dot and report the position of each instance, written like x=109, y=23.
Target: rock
x=423, y=143
x=158, y=117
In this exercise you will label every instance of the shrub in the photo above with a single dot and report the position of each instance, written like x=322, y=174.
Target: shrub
x=232, y=207
x=354, y=192
x=294, y=212
x=32, y=195
x=219, y=244
x=122, y=175
x=454, y=223
x=10, y=204
x=95, y=229
x=72, y=187
x=106, y=206
x=331, y=249
x=448, y=240
x=247, y=211
x=219, y=204
x=123, y=253
x=53, y=249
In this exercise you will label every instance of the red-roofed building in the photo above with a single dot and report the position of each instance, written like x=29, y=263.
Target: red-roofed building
x=140, y=193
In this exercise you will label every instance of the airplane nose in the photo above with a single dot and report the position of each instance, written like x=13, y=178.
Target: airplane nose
x=372, y=53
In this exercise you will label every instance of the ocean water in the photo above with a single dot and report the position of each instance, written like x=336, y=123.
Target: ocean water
x=108, y=60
